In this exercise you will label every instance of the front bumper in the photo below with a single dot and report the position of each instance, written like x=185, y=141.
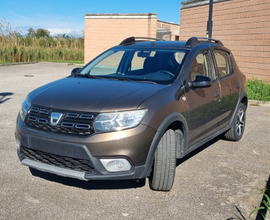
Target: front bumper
x=60, y=154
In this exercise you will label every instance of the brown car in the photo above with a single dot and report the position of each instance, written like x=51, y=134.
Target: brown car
x=133, y=111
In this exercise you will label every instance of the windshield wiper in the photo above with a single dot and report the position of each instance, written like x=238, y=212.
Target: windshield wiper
x=129, y=80
x=88, y=76
x=151, y=82
x=120, y=79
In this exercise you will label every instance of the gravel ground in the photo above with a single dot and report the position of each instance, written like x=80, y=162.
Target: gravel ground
x=220, y=180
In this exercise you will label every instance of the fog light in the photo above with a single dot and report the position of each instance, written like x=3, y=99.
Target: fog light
x=18, y=142
x=119, y=164
x=116, y=165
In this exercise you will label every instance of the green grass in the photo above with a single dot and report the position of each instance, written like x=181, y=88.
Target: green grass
x=56, y=61
x=258, y=90
x=265, y=205
x=66, y=61
x=4, y=62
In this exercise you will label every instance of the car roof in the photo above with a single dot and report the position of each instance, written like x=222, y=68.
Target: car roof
x=157, y=44
x=145, y=42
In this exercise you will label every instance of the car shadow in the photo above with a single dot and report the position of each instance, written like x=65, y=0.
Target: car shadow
x=265, y=201
x=264, y=208
x=198, y=150
x=90, y=185
x=4, y=96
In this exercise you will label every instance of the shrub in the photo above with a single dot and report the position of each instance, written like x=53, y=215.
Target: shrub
x=258, y=90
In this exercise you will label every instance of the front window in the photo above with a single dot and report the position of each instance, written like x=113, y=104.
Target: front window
x=143, y=65
x=202, y=65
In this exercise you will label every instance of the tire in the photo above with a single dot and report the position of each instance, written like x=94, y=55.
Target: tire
x=163, y=172
x=237, y=130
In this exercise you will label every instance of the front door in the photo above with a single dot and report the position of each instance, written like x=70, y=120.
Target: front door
x=203, y=103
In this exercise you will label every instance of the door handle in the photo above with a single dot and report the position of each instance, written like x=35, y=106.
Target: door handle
x=237, y=86
x=216, y=94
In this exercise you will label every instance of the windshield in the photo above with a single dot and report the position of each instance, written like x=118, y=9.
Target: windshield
x=144, y=65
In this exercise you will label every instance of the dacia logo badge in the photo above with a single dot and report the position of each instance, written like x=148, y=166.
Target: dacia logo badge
x=55, y=118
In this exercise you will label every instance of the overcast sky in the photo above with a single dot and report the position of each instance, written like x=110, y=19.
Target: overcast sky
x=67, y=16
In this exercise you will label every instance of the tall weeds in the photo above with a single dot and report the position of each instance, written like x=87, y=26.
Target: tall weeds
x=17, y=48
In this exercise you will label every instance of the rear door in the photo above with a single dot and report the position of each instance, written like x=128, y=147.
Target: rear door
x=229, y=84
x=203, y=103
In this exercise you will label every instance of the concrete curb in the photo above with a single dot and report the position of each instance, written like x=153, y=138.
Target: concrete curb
x=258, y=103
x=21, y=63
x=11, y=64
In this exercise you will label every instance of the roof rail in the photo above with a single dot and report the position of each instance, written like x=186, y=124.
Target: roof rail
x=136, y=39
x=193, y=41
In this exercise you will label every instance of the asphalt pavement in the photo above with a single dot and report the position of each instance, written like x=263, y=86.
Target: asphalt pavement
x=220, y=180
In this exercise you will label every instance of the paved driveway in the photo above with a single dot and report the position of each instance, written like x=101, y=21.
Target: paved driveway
x=219, y=181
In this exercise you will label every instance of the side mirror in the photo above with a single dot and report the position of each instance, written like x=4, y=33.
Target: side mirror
x=202, y=81
x=75, y=71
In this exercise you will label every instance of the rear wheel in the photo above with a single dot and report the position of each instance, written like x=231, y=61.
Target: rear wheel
x=163, y=172
x=237, y=130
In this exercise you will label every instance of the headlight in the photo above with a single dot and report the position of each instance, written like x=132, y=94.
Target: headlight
x=117, y=121
x=25, y=108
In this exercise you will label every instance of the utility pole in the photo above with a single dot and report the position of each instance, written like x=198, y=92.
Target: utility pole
x=210, y=22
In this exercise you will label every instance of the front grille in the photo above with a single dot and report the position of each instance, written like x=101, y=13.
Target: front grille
x=77, y=123
x=82, y=165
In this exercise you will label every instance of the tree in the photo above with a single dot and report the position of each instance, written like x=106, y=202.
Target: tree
x=31, y=32
x=16, y=34
x=42, y=33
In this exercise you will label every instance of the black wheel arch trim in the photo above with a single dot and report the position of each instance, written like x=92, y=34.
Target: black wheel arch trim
x=173, y=117
x=242, y=96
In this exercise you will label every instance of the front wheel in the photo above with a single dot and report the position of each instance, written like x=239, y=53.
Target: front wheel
x=163, y=172
x=237, y=130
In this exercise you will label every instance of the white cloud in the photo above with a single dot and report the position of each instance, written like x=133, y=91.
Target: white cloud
x=55, y=31
x=58, y=24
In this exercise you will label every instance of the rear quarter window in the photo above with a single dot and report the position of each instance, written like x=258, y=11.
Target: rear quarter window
x=224, y=63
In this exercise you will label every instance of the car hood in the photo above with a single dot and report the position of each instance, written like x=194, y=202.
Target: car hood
x=93, y=95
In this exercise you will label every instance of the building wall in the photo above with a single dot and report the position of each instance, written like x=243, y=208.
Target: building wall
x=242, y=25
x=103, y=31
x=173, y=28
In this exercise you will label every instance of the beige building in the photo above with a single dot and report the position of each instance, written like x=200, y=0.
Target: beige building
x=103, y=31
x=171, y=29
x=242, y=25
